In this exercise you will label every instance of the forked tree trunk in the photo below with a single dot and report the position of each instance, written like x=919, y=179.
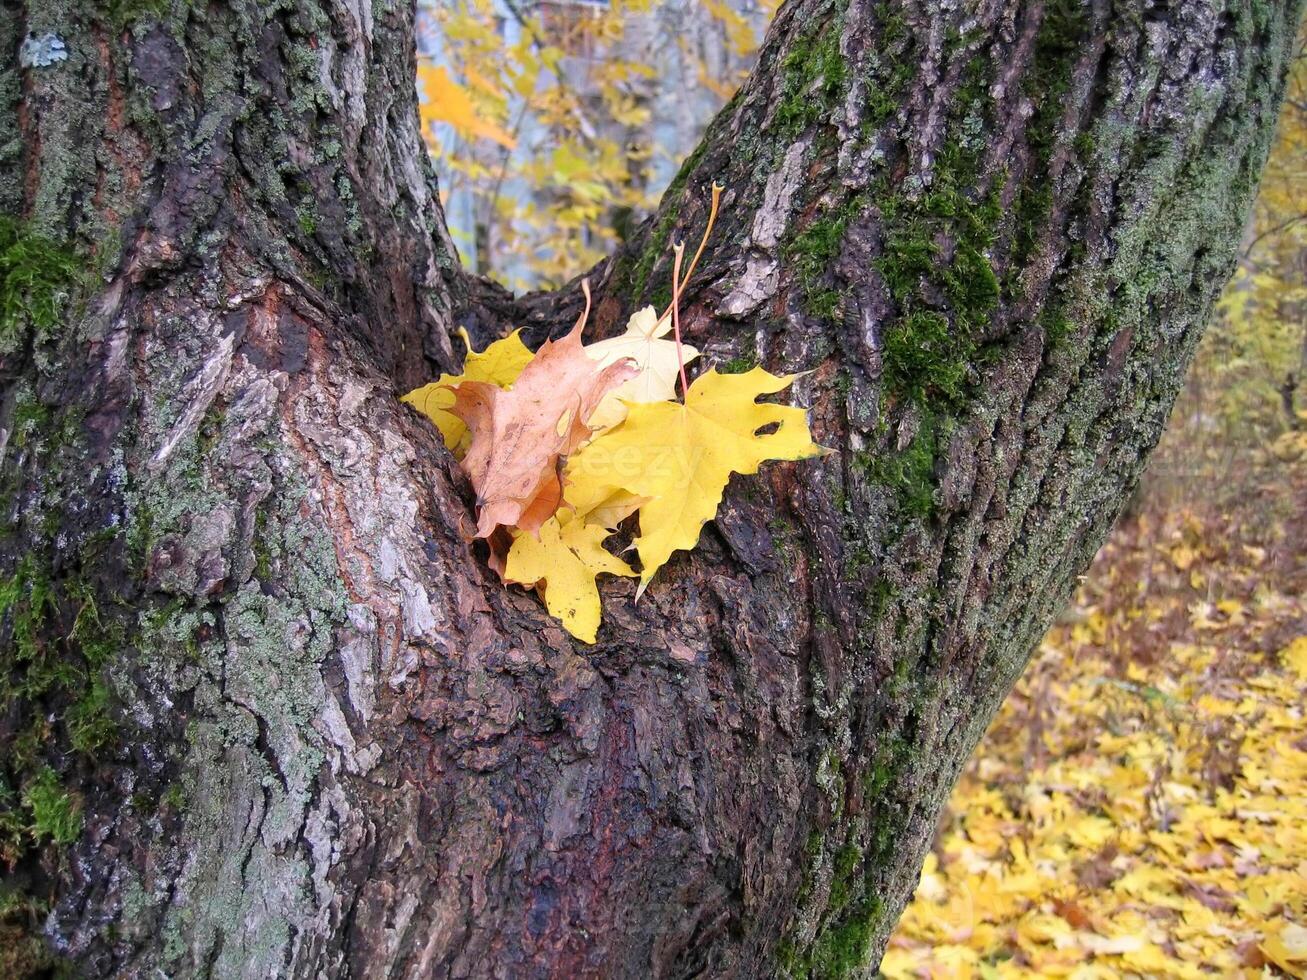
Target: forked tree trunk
x=265, y=710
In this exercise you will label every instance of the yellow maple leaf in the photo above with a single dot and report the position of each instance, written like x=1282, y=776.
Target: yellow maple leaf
x=681, y=456
x=655, y=358
x=499, y=364
x=562, y=564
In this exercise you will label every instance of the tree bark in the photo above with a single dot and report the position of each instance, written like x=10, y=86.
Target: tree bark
x=267, y=712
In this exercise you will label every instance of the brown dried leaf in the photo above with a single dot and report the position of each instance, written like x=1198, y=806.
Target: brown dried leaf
x=519, y=434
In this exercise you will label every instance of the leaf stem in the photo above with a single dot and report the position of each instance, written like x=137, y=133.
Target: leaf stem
x=712, y=220
x=585, y=313
x=678, y=251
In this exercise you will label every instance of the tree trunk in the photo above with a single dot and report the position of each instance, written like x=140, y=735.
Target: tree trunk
x=266, y=711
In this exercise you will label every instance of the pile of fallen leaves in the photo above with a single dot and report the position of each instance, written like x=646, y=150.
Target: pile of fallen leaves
x=1139, y=807
x=565, y=445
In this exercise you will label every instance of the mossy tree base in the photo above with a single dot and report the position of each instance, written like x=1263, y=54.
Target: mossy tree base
x=270, y=714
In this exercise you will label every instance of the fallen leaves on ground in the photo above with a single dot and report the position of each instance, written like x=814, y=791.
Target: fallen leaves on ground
x=1139, y=806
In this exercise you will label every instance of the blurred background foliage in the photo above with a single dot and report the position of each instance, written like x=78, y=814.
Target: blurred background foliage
x=555, y=125
x=1139, y=807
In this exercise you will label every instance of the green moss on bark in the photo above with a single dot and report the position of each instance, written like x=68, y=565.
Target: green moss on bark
x=936, y=270
x=37, y=280
x=23, y=952
x=654, y=250
x=54, y=813
x=124, y=14
x=57, y=705
x=811, y=253
x=814, y=77
x=1058, y=44
x=909, y=473
x=841, y=948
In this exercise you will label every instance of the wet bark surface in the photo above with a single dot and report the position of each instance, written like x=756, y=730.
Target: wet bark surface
x=326, y=740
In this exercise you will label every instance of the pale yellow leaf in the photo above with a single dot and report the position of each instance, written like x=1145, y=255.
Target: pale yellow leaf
x=655, y=358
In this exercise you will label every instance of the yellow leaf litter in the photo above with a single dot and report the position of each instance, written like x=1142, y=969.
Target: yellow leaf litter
x=1139, y=807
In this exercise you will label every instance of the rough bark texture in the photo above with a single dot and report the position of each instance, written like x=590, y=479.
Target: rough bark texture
x=266, y=712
